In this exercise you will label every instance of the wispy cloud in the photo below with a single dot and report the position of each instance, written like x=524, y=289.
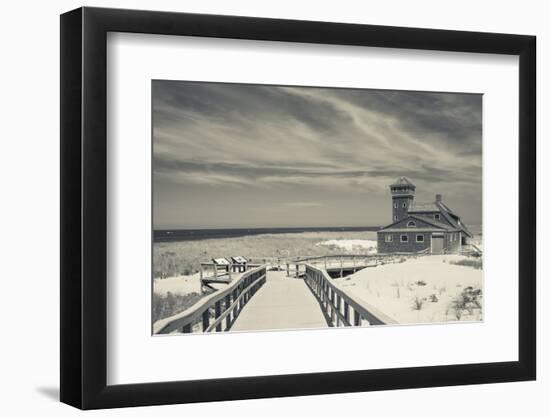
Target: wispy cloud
x=285, y=141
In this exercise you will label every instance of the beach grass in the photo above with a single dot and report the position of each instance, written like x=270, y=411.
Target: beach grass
x=184, y=258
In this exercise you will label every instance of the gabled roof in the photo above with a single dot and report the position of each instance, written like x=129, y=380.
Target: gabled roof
x=403, y=181
x=439, y=207
x=438, y=224
x=435, y=225
x=444, y=207
x=453, y=219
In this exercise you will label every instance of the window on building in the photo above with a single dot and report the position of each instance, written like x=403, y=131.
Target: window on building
x=437, y=216
x=451, y=237
x=404, y=205
x=394, y=205
x=404, y=238
x=420, y=238
x=394, y=218
x=389, y=238
x=411, y=224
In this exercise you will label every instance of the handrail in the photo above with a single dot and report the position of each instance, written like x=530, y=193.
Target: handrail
x=233, y=297
x=330, y=296
x=364, y=255
x=234, y=305
x=365, y=260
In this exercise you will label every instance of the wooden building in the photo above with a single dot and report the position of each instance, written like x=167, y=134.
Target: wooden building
x=418, y=227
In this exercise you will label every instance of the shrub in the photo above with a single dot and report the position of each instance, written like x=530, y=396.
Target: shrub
x=472, y=263
x=170, y=304
x=418, y=302
x=467, y=301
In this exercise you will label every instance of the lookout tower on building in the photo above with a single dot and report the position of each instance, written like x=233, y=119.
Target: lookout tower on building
x=402, y=194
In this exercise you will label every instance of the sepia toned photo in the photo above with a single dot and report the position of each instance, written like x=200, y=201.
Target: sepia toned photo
x=292, y=207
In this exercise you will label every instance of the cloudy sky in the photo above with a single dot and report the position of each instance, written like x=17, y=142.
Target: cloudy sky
x=237, y=155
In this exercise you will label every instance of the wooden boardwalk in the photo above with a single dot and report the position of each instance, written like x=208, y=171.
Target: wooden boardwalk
x=281, y=303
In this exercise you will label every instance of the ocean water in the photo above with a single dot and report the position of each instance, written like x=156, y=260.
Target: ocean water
x=178, y=235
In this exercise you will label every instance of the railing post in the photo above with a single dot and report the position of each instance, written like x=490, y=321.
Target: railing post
x=218, y=312
x=338, y=308
x=236, y=309
x=332, y=313
x=206, y=319
x=228, y=317
x=346, y=311
x=356, y=318
x=287, y=269
x=241, y=301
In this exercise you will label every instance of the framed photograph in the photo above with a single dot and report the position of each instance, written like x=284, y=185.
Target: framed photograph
x=256, y=208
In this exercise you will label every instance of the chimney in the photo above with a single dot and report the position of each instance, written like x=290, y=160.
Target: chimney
x=438, y=198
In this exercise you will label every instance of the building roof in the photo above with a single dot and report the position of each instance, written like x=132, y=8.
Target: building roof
x=401, y=181
x=239, y=259
x=436, y=226
x=411, y=230
x=417, y=207
x=444, y=207
x=221, y=261
x=453, y=219
x=440, y=207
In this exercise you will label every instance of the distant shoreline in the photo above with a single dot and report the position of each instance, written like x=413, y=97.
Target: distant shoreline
x=181, y=235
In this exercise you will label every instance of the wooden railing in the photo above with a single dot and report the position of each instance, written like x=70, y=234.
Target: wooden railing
x=348, y=262
x=339, y=307
x=223, y=307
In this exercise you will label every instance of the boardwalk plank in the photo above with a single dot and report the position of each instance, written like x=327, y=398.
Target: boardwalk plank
x=281, y=303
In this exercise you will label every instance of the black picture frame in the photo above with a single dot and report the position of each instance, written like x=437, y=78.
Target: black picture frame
x=84, y=207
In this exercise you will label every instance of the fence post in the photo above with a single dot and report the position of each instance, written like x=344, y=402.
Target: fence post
x=356, y=318
x=228, y=317
x=332, y=313
x=241, y=302
x=346, y=311
x=218, y=312
x=205, y=319
x=338, y=308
